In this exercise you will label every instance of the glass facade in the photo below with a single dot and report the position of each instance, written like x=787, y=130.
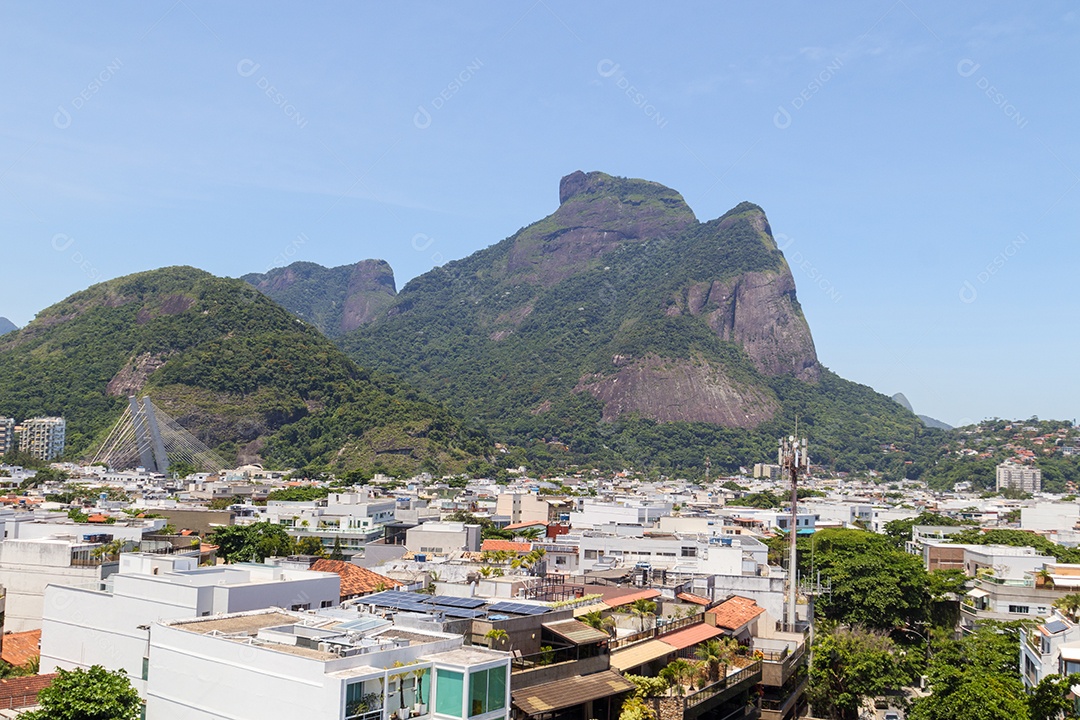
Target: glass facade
x=449, y=692
x=487, y=691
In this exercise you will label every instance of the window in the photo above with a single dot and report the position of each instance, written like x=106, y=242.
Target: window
x=487, y=691
x=448, y=692
x=327, y=603
x=1019, y=609
x=590, y=554
x=689, y=552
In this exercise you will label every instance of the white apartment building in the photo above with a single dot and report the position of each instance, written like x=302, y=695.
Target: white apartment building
x=354, y=519
x=7, y=435
x=443, y=538
x=1014, y=476
x=329, y=666
x=108, y=623
x=1050, y=648
x=728, y=555
x=43, y=437
x=594, y=513
x=28, y=566
x=522, y=507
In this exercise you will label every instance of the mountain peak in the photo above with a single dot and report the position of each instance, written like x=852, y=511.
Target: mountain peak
x=596, y=184
x=7, y=326
x=335, y=300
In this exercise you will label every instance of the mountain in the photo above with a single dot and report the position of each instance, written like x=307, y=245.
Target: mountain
x=335, y=300
x=7, y=326
x=928, y=421
x=237, y=370
x=628, y=331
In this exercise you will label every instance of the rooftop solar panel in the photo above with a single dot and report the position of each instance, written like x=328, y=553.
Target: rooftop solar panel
x=519, y=608
x=460, y=612
x=459, y=602
x=1055, y=626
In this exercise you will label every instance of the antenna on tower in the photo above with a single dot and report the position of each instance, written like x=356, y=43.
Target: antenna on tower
x=794, y=459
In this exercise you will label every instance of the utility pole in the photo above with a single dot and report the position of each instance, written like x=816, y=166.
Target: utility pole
x=793, y=458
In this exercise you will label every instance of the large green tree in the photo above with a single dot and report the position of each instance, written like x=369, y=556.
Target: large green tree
x=976, y=677
x=872, y=583
x=94, y=694
x=251, y=543
x=851, y=664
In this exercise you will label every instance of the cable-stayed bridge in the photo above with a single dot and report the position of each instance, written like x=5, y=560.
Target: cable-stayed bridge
x=145, y=436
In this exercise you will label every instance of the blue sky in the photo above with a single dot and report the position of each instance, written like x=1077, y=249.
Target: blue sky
x=918, y=163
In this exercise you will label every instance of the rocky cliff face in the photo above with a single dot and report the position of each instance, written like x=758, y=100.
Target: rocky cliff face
x=700, y=315
x=336, y=300
x=597, y=214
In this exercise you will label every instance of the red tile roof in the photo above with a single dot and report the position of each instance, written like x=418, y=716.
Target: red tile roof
x=627, y=599
x=691, y=636
x=355, y=580
x=21, y=648
x=692, y=598
x=22, y=692
x=496, y=545
x=735, y=612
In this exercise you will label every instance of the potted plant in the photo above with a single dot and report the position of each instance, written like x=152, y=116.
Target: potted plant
x=419, y=707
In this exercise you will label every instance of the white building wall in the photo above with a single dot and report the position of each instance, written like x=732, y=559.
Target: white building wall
x=26, y=567
x=1049, y=516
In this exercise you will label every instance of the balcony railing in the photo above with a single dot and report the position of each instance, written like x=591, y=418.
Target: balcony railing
x=655, y=631
x=711, y=691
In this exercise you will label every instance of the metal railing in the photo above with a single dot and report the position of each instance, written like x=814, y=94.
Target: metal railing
x=657, y=630
x=545, y=658
x=711, y=691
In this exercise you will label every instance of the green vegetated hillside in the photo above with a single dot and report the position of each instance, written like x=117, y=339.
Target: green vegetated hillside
x=335, y=300
x=237, y=370
x=620, y=329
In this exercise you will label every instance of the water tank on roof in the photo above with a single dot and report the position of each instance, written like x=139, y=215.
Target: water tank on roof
x=420, y=557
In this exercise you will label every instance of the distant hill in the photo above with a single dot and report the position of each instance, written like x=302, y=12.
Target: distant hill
x=928, y=421
x=237, y=370
x=7, y=326
x=622, y=330
x=335, y=300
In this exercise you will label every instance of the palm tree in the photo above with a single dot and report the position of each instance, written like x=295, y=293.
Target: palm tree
x=643, y=608
x=496, y=635
x=1043, y=578
x=677, y=672
x=595, y=619
x=530, y=534
x=709, y=653
x=487, y=571
x=1069, y=604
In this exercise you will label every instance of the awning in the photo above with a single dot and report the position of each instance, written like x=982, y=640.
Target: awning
x=977, y=593
x=638, y=654
x=1066, y=581
x=691, y=636
x=1070, y=653
x=577, y=632
x=560, y=694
